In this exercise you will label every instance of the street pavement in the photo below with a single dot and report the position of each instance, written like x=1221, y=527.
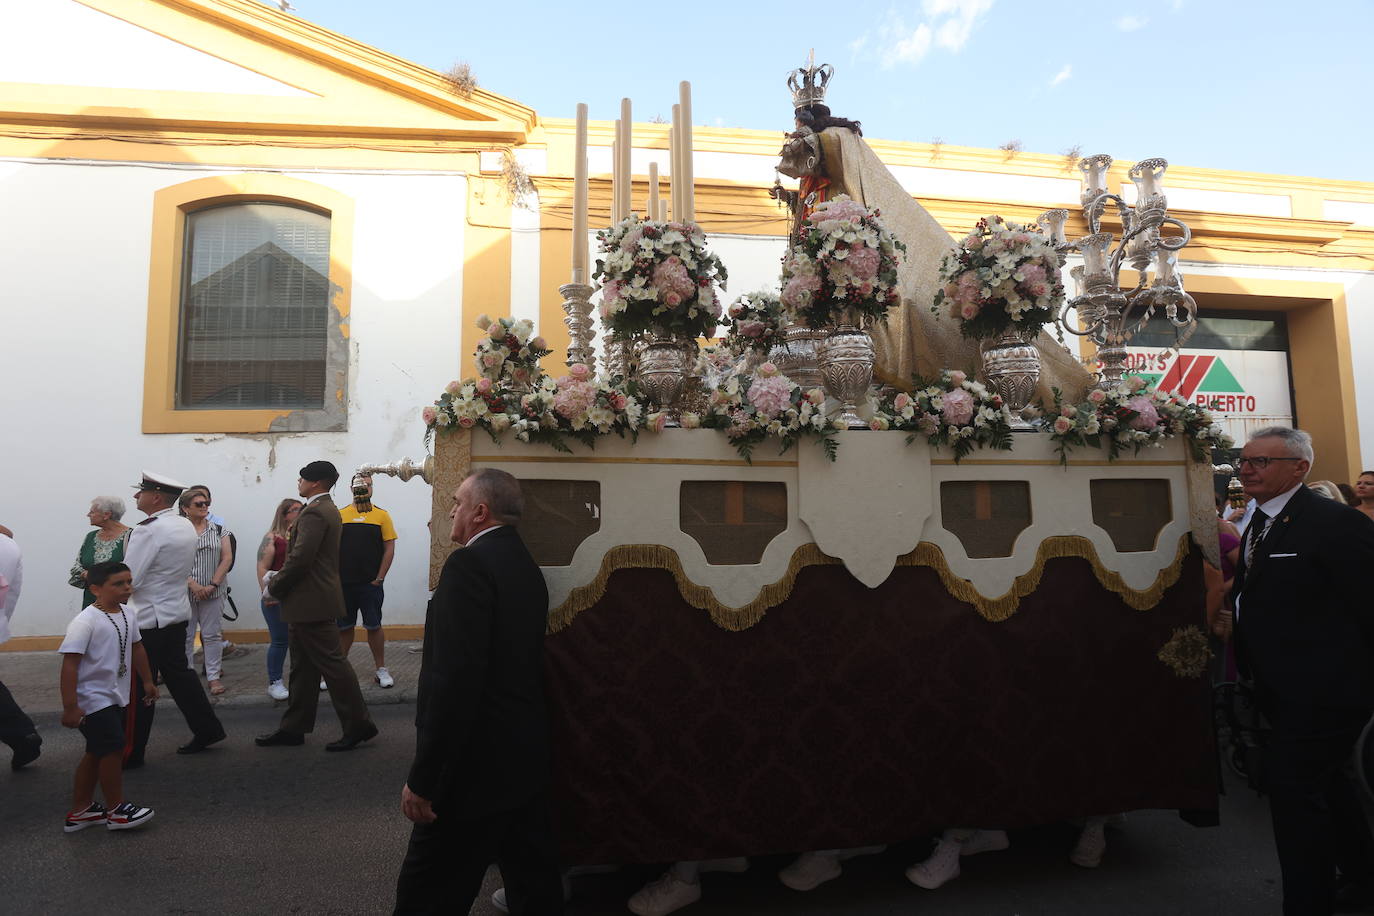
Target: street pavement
x=244, y=830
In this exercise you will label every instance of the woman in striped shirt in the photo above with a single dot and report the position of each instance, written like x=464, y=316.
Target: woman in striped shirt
x=214, y=555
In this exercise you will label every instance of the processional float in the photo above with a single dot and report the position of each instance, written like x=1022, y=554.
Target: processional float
x=936, y=602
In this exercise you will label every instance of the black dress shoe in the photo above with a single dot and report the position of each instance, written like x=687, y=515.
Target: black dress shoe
x=349, y=742
x=198, y=744
x=279, y=738
x=27, y=752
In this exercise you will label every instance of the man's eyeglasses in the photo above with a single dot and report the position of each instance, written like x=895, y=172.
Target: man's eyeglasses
x=204, y=505
x=1260, y=462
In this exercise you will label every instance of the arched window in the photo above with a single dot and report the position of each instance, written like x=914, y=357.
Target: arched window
x=254, y=312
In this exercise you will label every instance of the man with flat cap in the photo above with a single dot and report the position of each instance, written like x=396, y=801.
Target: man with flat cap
x=160, y=553
x=311, y=599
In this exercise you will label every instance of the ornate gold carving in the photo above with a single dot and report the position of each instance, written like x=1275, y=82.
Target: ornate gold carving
x=656, y=556
x=452, y=460
x=1186, y=652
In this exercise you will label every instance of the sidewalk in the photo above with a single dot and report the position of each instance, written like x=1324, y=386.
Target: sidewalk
x=32, y=676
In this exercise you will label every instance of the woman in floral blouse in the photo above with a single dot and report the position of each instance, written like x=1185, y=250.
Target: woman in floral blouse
x=105, y=543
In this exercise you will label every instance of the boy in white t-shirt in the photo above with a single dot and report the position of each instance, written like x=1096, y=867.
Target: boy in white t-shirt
x=101, y=646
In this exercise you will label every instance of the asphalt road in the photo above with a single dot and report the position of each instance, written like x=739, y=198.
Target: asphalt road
x=245, y=830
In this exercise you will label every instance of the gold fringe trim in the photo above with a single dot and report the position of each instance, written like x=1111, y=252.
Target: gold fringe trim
x=656, y=556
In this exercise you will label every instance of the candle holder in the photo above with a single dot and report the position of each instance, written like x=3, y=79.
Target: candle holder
x=404, y=469
x=1107, y=314
x=577, y=315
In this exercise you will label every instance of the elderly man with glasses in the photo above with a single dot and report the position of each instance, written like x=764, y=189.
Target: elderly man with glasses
x=1305, y=634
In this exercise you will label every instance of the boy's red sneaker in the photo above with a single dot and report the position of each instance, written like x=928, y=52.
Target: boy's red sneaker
x=93, y=816
x=128, y=816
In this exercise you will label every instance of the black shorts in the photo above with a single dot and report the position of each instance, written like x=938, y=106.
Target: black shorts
x=104, y=731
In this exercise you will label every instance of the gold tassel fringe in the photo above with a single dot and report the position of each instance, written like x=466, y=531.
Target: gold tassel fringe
x=656, y=556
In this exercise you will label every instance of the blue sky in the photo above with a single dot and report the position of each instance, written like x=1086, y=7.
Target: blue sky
x=1253, y=86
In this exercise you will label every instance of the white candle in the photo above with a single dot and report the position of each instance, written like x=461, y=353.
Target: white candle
x=674, y=163
x=652, y=209
x=617, y=183
x=579, y=225
x=689, y=204
x=626, y=143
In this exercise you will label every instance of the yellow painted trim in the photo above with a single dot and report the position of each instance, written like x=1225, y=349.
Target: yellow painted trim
x=556, y=458
x=170, y=206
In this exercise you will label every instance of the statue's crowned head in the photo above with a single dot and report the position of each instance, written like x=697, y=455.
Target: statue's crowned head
x=808, y=84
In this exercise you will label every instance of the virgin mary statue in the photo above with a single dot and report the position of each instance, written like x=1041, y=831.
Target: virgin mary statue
x=829, y=157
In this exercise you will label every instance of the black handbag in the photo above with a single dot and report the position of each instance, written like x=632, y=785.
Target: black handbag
x=229, y=605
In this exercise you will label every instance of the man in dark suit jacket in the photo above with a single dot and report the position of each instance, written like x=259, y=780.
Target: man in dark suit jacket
x=478, y=789
x=1305, y=634
x=311, y=599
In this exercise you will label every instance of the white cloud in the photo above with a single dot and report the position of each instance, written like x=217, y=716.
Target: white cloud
x=1131, y=23
x=1062, y=75
x=944, y=24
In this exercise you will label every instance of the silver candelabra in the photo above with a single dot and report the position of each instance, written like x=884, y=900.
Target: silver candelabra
x=1109, y=315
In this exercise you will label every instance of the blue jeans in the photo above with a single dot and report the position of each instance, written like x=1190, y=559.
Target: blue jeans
x=276, y=649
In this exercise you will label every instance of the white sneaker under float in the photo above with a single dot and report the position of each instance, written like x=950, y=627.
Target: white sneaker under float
x=384, y=678
x=128, y=816
x=277, y=691
x=93, y=816
x=984, y=841
x=1091, y=845
x=810, y=870
x=666, y=895
x=940, y=868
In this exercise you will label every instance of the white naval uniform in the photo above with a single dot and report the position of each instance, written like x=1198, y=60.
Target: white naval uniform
x=161, y=551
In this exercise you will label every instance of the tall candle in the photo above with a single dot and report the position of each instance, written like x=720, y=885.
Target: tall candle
x=689, y=204
x=674, y=165
x=579, y=226
x=617, y=183
x=626, y=143
x=652, y=209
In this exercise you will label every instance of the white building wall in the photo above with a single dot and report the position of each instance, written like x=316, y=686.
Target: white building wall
x=74, y=256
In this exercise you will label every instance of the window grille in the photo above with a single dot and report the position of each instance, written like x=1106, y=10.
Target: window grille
x=255, y=302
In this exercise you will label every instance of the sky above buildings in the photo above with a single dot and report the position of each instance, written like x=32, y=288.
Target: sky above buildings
x=1248, y=85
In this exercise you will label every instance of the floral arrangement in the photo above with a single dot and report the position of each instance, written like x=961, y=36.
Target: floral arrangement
x=844, y=260
x=577, y=405
x=509, y=351
x=751, y=408
x=658, y=275
x=1002, y=276
x=756, y=322
x=1133, y=416
x=952, y=411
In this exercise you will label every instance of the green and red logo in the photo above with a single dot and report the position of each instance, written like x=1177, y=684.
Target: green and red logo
x=1204, y=380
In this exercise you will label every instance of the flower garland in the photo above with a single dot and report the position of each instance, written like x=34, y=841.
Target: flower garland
x=844, y=260
x=1002, y=276
x=756, y=322
x=1133, y=416
x=577, y=405
x=751, y=408
x=952, y=411
x=657, y=275
x=509, y=351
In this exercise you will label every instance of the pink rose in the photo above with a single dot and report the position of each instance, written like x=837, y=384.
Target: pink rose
x=968, y=311
x=466, y=422
x=657, y=421
x=957, y=377
x=816, y=396
x=539, y=344
x=484, y=385
x=958, y=407
x=618, y=401
x=768, y=370
x=901, y=401
x=1062, y=425
x=496, y=331
x=1097, y=395
x=878, y=424
x=428, y=415
x=752, y=328
x=520, y=374
x=1068, y=410
x=579, y=371
x=453, y=387
x=492, y=360
x=1147, y=418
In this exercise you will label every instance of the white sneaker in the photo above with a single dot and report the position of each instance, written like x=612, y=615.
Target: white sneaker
x=984, y=841
x=732, y=866
x=810, y=870
x=940, y=868
x=666, y=895
x=1092, y=843
x=277, y=690
x=323, y=685
x=384, y=678
x=128, y=816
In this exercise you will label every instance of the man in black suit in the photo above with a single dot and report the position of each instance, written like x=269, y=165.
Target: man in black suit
x=478, y=789
x=1305, y=634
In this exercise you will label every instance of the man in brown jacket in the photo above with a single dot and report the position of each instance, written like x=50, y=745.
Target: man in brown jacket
x=311, y=601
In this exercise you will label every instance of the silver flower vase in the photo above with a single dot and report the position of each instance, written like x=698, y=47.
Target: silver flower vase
x=663, y=369
x=845, y=355
x=796, y=357
x=1011, y=364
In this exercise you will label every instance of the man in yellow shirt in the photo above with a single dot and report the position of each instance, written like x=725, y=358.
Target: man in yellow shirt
x=366, y=549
